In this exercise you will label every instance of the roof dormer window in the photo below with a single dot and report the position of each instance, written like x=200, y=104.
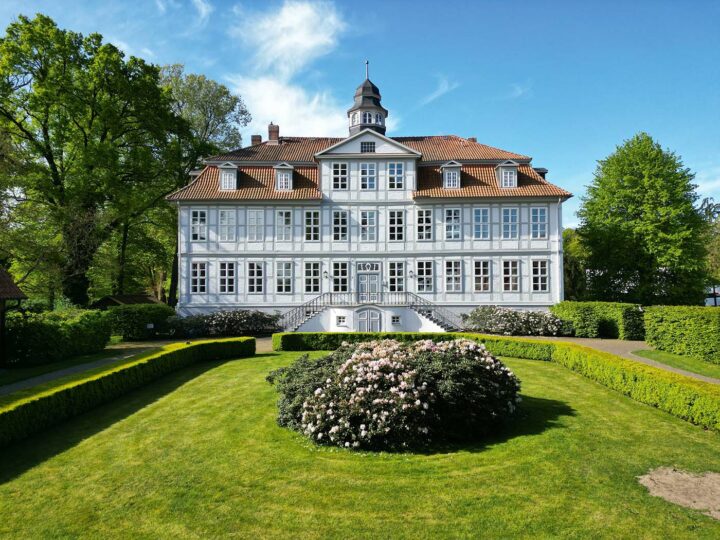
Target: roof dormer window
x=451, y=174
x=507, y=174
x=283, y=177
x=228, y=177
x=367, y=147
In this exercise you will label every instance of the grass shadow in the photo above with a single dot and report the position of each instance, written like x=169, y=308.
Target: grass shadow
x=23, y=455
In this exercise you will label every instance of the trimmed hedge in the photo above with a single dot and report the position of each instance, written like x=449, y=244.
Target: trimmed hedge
x=25, y=417
x=136, y=322
x=686, y=330
x=684, y=397
x=41, y=338
x=602, y=319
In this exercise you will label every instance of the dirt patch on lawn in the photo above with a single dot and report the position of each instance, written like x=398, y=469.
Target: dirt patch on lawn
x=698, y=491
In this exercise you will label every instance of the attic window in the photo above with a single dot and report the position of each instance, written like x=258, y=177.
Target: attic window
x=283, y=180
x=452, y=179
x=228, y=179
x=367, y=147
x=509, y=178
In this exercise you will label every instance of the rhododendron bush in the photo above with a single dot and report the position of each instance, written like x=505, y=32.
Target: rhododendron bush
x=391, y=395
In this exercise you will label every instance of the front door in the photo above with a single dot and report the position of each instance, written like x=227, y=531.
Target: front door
x=368, y=320
x=368, y=287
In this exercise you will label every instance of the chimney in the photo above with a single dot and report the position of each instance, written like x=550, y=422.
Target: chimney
x=273, y=134
x=255, y=139
x=472, y=139
x=542, y=171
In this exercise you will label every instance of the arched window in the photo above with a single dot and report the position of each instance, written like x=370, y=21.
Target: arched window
x=369, y=320
x=378, y=118
x=367, y=118
x=354, y=118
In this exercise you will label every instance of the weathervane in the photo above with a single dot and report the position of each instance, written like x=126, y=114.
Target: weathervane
x=367, y=69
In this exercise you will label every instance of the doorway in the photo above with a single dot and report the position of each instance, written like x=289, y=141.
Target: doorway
x=368, y=320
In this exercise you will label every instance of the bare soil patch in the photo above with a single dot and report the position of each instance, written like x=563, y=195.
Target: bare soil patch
x=697, y=491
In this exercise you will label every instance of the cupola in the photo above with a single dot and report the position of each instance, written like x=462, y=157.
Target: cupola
x=367, y=112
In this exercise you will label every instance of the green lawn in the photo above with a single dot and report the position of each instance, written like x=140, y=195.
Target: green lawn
x=701, y=367
x=198, y=455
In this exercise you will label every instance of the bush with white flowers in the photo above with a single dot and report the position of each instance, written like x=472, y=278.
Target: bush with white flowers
x=511, y=322
x=391, y=395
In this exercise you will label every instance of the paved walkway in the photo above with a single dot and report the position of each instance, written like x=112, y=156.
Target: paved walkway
x=625, y=349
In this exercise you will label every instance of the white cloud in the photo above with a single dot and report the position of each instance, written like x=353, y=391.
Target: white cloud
x=204, y=9
x=161, y=6
x=708, y=181
x=443, y=87
x=519, y=90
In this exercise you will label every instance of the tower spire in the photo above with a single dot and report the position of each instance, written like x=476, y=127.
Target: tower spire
x=367, y=69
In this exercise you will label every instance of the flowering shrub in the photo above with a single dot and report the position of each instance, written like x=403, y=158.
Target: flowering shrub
x=225, y=323
x=510, y=322
x=391, y=395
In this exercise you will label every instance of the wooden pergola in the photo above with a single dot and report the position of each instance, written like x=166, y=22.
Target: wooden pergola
x=8, y=291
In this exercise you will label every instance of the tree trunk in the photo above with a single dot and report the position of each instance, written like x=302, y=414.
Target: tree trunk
x=81, y=242
x=172, y=293
x=119, y=287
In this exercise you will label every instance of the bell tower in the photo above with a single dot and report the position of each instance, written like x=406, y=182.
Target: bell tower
x=367, y=112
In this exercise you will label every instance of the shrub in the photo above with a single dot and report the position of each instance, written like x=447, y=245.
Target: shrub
x=136, y=322
x=687, y=330
x=391, y=395
x=226, y=323
x=511, y=322
x=22, y=418
x=40, y=338
x=602, y=319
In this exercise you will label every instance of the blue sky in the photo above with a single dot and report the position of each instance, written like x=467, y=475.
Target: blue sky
x=564, y=82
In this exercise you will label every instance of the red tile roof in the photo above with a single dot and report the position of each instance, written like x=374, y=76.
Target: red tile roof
x=8, y=289
x=480, y=181
x=254, y=183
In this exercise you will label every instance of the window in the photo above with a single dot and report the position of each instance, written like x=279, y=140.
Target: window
x=283, y=181
x=511, y=276
x=198, y=225
x=396, y=225
x=226, y=218
x=395, y=320
x=368, y=226
x=424, y=225
x=198, y=277
x=283, y=278
x=482, y=276
x=538, y=222
x=453, y=276
x=509, y=223
x=354, y=119
x=367, y=119
x=256, y=225
x=368, y=176
x=452, y=179
x=396, y=280
x=340, y=225
x=228, y=179
x=367, y=147
x=452, y=224
x=425, y=279
x=312, y=277
x=255, y=277
x=341, y=320
x=226, y=278
x=341, y=281
x=481, y=223
x=509, y=178
x=312, y=225
x=540, y=276
x=340, y=175
x=396, y=176
x=378, y=118
x=283, y=226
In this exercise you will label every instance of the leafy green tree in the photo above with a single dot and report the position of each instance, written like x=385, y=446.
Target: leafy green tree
x=574, y=273
x=643, y=233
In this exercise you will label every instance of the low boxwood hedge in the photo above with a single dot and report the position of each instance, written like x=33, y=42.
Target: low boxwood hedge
x=684, y=397
x=136, y=322
x=686, y=330
x=602, y=319
x=28, y=416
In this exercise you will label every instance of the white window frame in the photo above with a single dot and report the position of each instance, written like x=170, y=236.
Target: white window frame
x=340, y=176
x=198, y=277
x=482, y=275
x=368, y=176
x=255, y=277
x=453, y=275
x=511, y=275
x=481, y=223
x=312, y=226
x=227, y=225
x=451, y=179
x=368, y=226
x=367, y=118
x=341, y=276
x=510, y=218
x=540, y=275
x=453, y=223
x=509, y=178
x=283, y=180
x=424, y=224
x=341, y=219
x=227, y=275
x=396, y=276
x=395, y=320
x=255, y=224
x=228, y=179
x=311, y=277
x=341, y=320
x=538, y=222
x=425, y=274
x=396, y=175
x=283, y=230
x=198, y=225
x=396, y=225
x=284, y=277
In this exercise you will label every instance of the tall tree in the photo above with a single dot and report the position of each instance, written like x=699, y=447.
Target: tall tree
x=642, y=230
x=575, y=276
x=93, y=130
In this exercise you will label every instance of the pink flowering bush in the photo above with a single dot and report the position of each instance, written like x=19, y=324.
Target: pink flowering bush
x=391, y=395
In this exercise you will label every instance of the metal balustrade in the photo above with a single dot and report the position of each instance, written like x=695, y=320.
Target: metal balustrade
x=443, y=317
